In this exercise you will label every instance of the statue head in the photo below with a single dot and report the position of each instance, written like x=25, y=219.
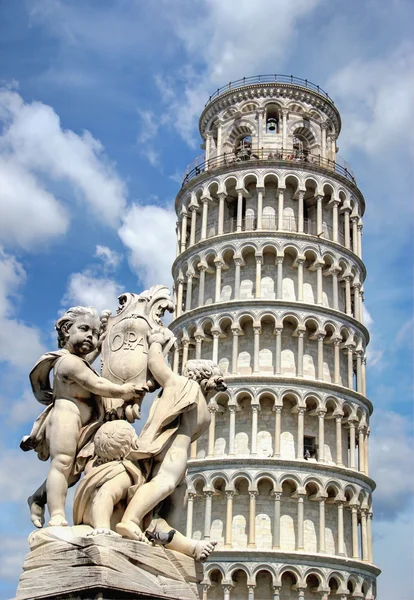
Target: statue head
x=207, y=373
x=114, y=440
x=78, y=329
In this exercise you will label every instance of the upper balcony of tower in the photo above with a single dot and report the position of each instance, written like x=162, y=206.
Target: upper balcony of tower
x=269, y=118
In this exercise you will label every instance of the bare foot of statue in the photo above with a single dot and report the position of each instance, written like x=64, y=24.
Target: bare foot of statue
x=103, y=531
x=37, y=512
x=58, y=521
x=129, y=529
x=203, y=549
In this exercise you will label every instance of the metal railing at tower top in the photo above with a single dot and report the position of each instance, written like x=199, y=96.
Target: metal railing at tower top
x=272, y=78
x=267, y=157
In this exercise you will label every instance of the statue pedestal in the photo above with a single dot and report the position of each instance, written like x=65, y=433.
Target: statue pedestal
x=64, y=563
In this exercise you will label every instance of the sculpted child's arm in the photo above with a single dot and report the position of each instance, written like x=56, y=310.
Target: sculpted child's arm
x=157, y=365
x=75, y=369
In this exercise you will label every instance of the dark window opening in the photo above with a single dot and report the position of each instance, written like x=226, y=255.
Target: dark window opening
x=309, y=447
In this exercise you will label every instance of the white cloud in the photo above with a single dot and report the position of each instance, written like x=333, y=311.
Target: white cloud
x=23, y=410
x=225, y=41
x=20, y=344
x=110, y=259
x=377, y=95
x=84, y=289
x=12, y=553
x=392, y=463
x=30, y=215
x=38, y=158
x=149, y=233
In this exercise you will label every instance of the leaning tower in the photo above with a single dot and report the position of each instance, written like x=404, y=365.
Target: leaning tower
x=269, y=284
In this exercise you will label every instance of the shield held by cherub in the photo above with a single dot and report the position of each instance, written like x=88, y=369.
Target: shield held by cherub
x=125, y=347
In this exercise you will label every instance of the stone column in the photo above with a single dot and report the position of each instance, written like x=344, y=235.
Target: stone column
x=193, y=450
x=221, y=197
x=352, y=444
x=278, y=351
x=251, y=542
x=280, y=224
x=354, y=220
x=183, y=231
x=369, y=535
x=322, y=545
x=258, y=290
x=206, y=587
x=361, y=449
x=359, y=354
x=299, y=262
x=319, y=216
x=255, y=414
x=341, y=549
x=216, y=335
x=178, y=241
x=190, y=511
x=324, y=128
x=301, y=196
x=279, y=281
x=219, y=264
x=284, y=127
x=260, y=114
x=357, y=302
x=320, y=337
x=338, y=424
x=232, y=428
x=199, y=340
x=335, y=204
x=207, y=515
x=278, y=415
x=179, y=309
x=276, y=592
x=208, y=148
x=321, y=435
x=239, y=210
x=300, y=540
x=229, y=518
x=347, y=233
x=201, y=284
x=227, y=589
x=250, y=589
x=337, y=341
x=204, y=217
x=186, y=344
x=193, y=229
x=319, y=283
x=257, y=331
x=364, y=375
x=364, y=534
x=188, y=297
x=359, y=243
x=235, y=350
x=335, y=300
x=354, y=525
x=219, y=137
x=348, y=307
x=276, y=521
x=301, y=334
x=212, y=430
x=238, y=263
x=301, y=418
x=350, y=351
x=367, y=452
x=260, y=192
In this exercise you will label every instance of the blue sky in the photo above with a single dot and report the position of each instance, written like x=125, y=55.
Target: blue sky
x=98, y=108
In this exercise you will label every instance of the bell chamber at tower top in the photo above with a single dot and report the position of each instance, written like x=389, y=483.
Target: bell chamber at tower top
x=270, y=118
x=270, y=163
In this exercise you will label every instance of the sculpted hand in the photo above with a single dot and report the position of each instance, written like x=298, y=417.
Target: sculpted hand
x=105, y=314
x=160, y=335
x=130, y=391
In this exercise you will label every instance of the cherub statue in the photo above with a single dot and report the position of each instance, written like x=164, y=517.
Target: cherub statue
x=75, y=409
x=178, y=416
x=100, y=498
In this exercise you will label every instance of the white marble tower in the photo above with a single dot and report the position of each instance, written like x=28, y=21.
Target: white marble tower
x=269, y=283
